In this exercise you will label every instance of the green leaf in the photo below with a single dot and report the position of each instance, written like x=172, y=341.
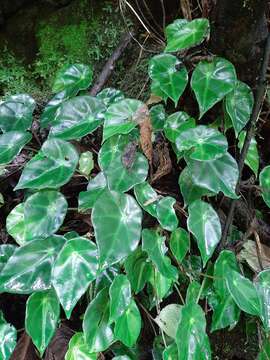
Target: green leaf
x=204, y=224
x=117, y=224
x=147, y=198
x=86, y=163
x=205, y=143
x=158, y=117
x=114, y=159
x=161, y=285
x=41, y=318
x=252, y=159
x=8, y=338
x=110, y=96
x=264, y=179
x=11, y=144
x=166, y=213
x=163, y=69
x=191, y=338
x=212, y=81
x=52, y=167
x=73, y=78
x=168, y=319
x=262, y=285
x=50, y=109
x=157, y=91
x=225, y=313
x=95, y=188
x=98, y=332
x=78, y=349
x=171, y=352
x=120, y=117
x=123, y=357
x=179, y=243
x=15, y=224
x=193, y=292
x=244, y=293
x=183, y=34
x=75, y=267
x=6, y=251
x=154, y=245
x=177, y=123
x=128, y=326
x=120, y=296
x=16, y=113
x=215, y=175
x=29, y=267
x=265, y=351
x=138, y=269
x=77, y=117
x=239, y=104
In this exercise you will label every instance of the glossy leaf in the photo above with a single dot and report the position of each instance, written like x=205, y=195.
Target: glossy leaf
x=11, y=144
x=41, y=318
x=52, y=167
x=73, y=78
x=170, y=74
x=75, y=267
x=122, y=357
x=177, y=123
x=224, y=265
x=147, y=198
x=48, y=115
x=95, y=188
x=166, y=213
x=171, y=352
x=252, y=159
x=212, y=81
x=161, y=285
x=265, y=350
x=239, y=103
x=168, y=319
x=262, y=285
x=204, y=224
x=191, y=337
x=193, y=291
x=122, y=176
x=158, y=117
x=265, y=184
x=205, y=143
x=29, y=267
x=78, y=349
x=110, y=96
x=128, y=326
x=86, y=163
x=8, y=337
x=77, y=117
x=183, y=34
x=156, y=91
x=154, y=245
x=120, y=297
x=98, y=333
x=15, y=224
x=16, y=113
x=215, y=175
x=6, y=250
x=120, y=117
x=179, y=243
x=117, y=224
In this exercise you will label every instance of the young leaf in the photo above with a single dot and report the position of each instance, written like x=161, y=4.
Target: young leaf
x=98, y=333
x=191, y=338
x=154, y=245
x=212, y=81
x=52, y=167
x=120, y=117
x=176, y=123
x=29, y=267
x=215, y=175
x=244, y=293
x=95, y=188
x=183, y=34
x=204, y=224
x=252, y=159
x=168, y=319
x=179, y=243
x=41, y=318
x=265, y=184
x=239, y=103
x=11, y=144
x=166, y=213
x=16, y=113
x=75, y=267
x=158, y=117
x=262, y=285
x=163, y=69
x=86, y=163
x=128, y=325
x=78, y=349
x=6, y=251
x=120, y=297
x=8, y=338
x=110, y=96
x=117, y=223
x=205, y=143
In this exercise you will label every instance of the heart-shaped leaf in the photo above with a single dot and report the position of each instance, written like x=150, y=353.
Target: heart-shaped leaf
x=158, y=117
x=204, y=224
x=29, y=267
x=48, y=115
x=183, y=34
x=78, y=349
x=215, y=175
x=75, y=267
x=6, y=251
x=212, y=81
x=122, y=164
x=120, y=296
x=95, y=188
x=73, y=78
x=77, y=117
x=166, y=213
x=11, y=144
x=52, y=167
x=262, y=285
x=205, y=143
x=252, y=159
x=16, y=113
x=110, y=96
x=41, y=318
x=117, y=223
x=170, y=74
x=179, y=243
x=168, y=319
x=8, y=338
x=265, y=184
x=121, y=117
x=177, y=123
x=239, y=104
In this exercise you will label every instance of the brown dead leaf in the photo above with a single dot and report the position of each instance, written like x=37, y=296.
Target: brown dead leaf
x=164, y=160
x=250, y=255
x=24, y=349
x=142, y=117
x=153, y=100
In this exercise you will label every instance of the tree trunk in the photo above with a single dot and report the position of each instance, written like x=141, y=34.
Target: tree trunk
x=239, y=30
